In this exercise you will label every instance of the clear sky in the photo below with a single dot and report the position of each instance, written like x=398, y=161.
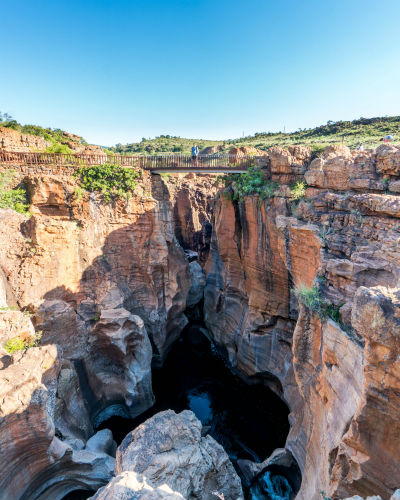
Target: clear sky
x=119, y=70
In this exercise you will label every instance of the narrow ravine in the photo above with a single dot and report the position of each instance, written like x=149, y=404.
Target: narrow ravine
x=249, y=421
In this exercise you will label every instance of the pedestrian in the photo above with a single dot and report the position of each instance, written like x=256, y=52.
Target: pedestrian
x=387, y=139
x=195, y=154
x=360, y=147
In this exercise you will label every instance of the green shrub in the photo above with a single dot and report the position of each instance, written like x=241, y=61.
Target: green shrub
x=112, y=181
x=58, y=148
x=333, y=312
x=385, y=182
x=12, y=198
x=19, y=344
x=251, y=182
x=317, y=150
x=298, y=190
x=310, y=297
x=79, y=192
x=14, y=344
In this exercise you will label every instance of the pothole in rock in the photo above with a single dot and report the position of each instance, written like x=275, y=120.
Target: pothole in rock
x=79, y=495
x=249, y=421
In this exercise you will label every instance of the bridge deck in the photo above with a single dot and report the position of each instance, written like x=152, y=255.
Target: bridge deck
x=157, y=164
x=199, y=170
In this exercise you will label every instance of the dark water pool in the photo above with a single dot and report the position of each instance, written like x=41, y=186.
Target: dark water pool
x=249, y=421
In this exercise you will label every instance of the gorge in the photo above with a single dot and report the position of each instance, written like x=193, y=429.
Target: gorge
x=275, y=321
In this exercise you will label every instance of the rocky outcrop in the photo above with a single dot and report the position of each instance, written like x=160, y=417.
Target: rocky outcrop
x=28, y=385
x=168, y=449
x=335, y=369
x=12, y=140
x=107, y=283
x=110, y=283
x=368, y=456
x=247, y=291
x=211, y=150
x=395, y=496
x=120, y=381
x=191, y=199
x=288, y=165
x=246, y=150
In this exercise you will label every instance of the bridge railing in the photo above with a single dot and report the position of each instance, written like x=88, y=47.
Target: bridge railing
x=152, y=162
x=186, y=162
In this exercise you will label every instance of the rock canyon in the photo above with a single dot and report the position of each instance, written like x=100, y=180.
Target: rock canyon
x=294, y=302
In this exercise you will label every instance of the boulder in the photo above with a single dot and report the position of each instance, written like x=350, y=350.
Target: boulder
x=169, y=449
x=119, y=339
x=288, y=165
x=198, y=280
x=388, y=159
x=132, y=486
x=102, y=442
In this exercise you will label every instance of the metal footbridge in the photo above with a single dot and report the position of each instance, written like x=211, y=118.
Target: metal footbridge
x=218, y=163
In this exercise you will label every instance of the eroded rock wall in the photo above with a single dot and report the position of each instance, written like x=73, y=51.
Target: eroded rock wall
x=335, y=369
x=108, y=285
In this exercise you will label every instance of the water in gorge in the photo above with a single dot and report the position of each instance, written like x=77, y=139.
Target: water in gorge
x=249, y=421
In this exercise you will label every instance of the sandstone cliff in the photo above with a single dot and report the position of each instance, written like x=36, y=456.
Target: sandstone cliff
x=338, y=376
x=108, y=285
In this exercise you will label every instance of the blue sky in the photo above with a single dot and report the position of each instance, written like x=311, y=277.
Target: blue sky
x=116, y=71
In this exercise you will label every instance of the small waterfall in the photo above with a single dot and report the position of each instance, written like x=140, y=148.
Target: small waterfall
x=271, y=487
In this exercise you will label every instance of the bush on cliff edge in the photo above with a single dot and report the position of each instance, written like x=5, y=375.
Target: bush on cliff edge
x=251, y=182
x=19, y=344
x=311, y=298
x=112, y=181
x=12, y=198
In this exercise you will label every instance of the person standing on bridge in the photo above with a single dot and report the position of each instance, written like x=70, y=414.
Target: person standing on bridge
x=195, y=154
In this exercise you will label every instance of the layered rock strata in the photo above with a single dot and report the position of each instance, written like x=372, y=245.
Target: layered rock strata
x=35, y=463
x=108, y=285
x=335, y=368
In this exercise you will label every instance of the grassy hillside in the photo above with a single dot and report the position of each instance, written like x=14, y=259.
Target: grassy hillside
x=366, y=130
x=59, y=139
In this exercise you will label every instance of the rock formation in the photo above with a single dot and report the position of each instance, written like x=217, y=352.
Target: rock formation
x=34, y=462
x=12, y=140
x=129, y=484
x=108, y=286
x=338, y=376
x=169, y=451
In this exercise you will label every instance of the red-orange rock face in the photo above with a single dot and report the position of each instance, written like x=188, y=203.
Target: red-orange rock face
x=107, y=283
x=288, y=165
x=339, y=379
x=103, y=281
x=247, y=294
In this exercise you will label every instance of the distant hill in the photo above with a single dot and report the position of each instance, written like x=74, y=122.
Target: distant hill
x=369, y=131
x=165, y=144
x=366, y=130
